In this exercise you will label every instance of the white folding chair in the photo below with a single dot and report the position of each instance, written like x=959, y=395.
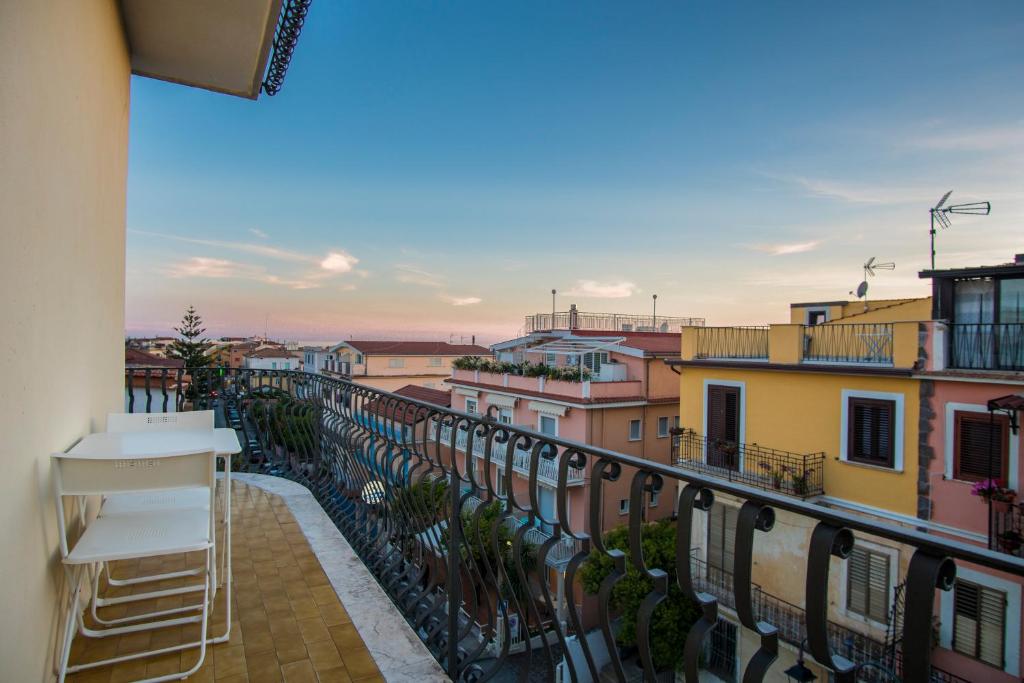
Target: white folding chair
x=145, y=534
x=181, y=499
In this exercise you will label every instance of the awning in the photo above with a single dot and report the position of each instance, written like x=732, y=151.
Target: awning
x=472, y=393
x=501, y=400
x=548, y=408
x=1010, y=402
x=574, y=346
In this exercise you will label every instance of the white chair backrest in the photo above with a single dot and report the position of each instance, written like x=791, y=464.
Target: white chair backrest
x=76, y=476
x=140, y=422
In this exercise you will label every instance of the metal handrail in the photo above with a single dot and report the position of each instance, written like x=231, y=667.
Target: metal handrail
x=342, y=439
x=746, y=343
x=849, y=343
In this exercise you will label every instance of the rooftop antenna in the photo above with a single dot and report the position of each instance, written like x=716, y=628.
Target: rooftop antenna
x=870, y=266
x=940, y=214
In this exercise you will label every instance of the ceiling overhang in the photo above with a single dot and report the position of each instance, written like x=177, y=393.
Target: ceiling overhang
x=221, y=46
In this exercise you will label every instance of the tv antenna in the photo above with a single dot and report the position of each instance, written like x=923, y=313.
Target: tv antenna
x=870, y=266
x=940, y=214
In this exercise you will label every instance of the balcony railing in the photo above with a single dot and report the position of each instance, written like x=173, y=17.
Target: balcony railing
x=547, y=469
x=743, y=343
x=1008, y=530
x=849, y=343
x=611, y=322
x=795, y=474
x=987, y=346
x=394, y=492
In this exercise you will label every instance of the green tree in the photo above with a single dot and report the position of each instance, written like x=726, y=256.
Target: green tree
x=673, y=618
x=191, y=346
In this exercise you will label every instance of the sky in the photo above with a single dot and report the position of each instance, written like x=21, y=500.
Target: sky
x=435, y=169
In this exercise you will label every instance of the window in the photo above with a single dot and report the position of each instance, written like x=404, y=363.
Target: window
x=550, y=359
x=675, y=422
x=723, y=410
x=979, y=622
x=721, y=537
x=287, y=365
x=817, y=316
x=624, y=506
x=548, y=425
x=634, y=430
x=499, y=483
x=472, y=406
x=273, y=365
x=505, y=416
x=870, y=431
x=434, y=362
x=395, y=362
x=593, y=360
x=654, y=498
x=662, y=427
x=867, y=584
x=359, y=359
x=980, y=446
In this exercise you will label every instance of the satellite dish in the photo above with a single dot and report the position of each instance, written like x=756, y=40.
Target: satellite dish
x=862, y=289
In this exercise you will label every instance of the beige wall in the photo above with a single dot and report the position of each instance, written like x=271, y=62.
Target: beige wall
x=63, y=159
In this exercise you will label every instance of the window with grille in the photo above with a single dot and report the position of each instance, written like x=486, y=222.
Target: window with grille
x=979, y=622
x=871, y=431
x=980, y=445
x=721, y=537
x=867, y=584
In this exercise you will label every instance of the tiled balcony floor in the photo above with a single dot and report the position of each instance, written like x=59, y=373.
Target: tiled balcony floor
x=288, y=623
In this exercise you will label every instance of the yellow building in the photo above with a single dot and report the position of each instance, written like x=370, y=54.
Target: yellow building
x=825, y=408
x=391, y=365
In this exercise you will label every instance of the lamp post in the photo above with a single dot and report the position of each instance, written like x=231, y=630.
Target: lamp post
x=799, y=671
x=553, y=292
x=654, y=316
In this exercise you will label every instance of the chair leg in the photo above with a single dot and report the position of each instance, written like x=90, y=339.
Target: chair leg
x=74, y=593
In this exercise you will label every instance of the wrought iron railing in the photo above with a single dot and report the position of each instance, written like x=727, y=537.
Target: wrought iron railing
x=547, y=470
x=849, y=343
x=740, y=343
x=1008, y=529
x=987, y=346
x=610, y=322
x=398, y=494
x=795, y=474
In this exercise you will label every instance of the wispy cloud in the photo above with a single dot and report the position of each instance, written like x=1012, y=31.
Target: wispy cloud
x=216, y=268
x=259, y=233
x=417, y=276
x=461, y=300
x=593, y=289
x=333, y=259
x=782, y=249
x=990, y=139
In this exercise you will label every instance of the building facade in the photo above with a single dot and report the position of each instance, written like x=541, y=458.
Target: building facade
x=390, y=365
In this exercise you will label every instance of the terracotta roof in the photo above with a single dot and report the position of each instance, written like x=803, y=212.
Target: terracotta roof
x=649, y=342
x=417, y=348
x=133, y=358
x=270, y=353
x=414, y=392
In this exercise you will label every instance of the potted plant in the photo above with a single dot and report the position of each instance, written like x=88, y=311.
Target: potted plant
x=993, y=491
x=773, y=473
x=801, y=481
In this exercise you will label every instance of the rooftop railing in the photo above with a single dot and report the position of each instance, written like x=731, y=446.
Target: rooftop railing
x=395, y=491
x=748, y=343
x=987, y=346
x=610, y=322
x=849, y=343
x=795, y=474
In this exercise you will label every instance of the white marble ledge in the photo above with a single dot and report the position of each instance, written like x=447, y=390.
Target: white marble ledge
x=399, y=653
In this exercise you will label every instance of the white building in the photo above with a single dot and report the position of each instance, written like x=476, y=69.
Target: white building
x=316, y=359
x=273, y=358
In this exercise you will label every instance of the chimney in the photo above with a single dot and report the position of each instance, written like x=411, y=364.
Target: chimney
x=1018, y=259
x=473, y=340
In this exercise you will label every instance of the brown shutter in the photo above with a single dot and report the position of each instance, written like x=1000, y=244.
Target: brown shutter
x=974, y=434
x=979, y=622
x=867, y=584
x=721, y=538
x=723, y=406
x=871, y=431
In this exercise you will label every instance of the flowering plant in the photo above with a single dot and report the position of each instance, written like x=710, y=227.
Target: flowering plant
x=993, y=489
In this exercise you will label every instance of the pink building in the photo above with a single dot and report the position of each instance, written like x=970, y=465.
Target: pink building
x=971, y=404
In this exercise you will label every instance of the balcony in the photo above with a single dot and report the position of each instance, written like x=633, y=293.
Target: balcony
x=987, y=346
x=461, y=581
x=864, y=345
x=594, y=389
x=547, y=469
x=1007, y=530
x=795, y=474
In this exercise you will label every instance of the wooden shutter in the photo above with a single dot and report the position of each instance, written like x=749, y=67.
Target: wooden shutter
x=979, y=622
x=723, y=408
x=721, y=538
x=871, y=431
x=974, y=434
x=867, y=584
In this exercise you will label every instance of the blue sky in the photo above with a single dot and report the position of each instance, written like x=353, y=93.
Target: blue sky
x=436, y=168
